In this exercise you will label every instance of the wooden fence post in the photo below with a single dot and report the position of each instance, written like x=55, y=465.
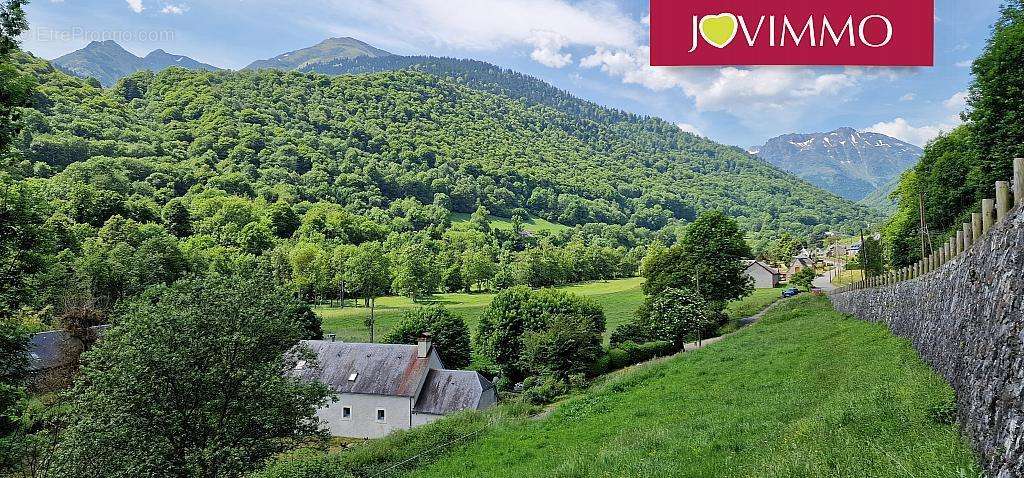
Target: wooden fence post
x=959, y=242
x=1002, y=200
x=975, y=226
x=987, y=206
x=967, y=236
x=1018, y=182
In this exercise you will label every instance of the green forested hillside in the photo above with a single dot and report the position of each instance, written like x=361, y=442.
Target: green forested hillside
x=320, y=181
x=365, y=141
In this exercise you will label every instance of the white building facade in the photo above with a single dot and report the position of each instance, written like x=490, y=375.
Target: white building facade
x=380, y=388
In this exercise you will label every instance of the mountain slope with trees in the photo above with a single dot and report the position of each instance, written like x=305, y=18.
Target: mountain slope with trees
x=959, y=169
x=108, y=62
x=847, y=162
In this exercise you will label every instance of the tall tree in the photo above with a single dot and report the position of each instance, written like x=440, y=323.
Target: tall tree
x=13, y=361
x=707, y=260
x=414, y=272
x=367, y=273
x=15, y=88
x=189, y=383
x=449, y=333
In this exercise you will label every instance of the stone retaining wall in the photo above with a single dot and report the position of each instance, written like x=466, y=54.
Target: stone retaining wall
x=966, y=320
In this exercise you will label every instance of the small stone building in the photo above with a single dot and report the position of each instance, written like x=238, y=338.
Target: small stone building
x=385, y=387
x=763, y=275
x=800, y=263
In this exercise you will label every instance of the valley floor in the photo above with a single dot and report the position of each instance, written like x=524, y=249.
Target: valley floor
x=619, y=299
x=804, y=392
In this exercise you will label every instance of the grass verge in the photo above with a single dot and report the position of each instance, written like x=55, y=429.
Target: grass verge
x=806, y=392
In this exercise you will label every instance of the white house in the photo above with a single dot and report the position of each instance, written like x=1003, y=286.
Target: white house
x=385, y=387
x=763, y=275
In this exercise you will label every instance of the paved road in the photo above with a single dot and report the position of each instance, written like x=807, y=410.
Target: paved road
x=823, y=283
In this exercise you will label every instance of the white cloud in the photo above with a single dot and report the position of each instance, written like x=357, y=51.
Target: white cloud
x=964, y=64
x=689, y=128
x=494, y=24
x=744, y=92
x=909, y=97
x=548, y=49
x=136, y=5
x=174, y=9
x=957, y=102
x=900, y=128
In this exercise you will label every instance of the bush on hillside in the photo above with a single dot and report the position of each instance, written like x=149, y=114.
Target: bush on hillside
x=448, y=331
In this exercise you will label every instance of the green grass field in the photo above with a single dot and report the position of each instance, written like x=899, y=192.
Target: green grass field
x=753, y=303
x=533, y=224
x=618, y=298
x=807, y=392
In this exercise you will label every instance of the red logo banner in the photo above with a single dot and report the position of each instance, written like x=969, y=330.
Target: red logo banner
x=792, y=32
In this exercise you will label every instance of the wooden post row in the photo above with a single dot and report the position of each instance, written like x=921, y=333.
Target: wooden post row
x=1002, y=201
x=1018, y=182
x=987, y=207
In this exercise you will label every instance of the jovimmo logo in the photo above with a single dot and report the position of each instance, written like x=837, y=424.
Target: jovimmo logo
x=792, y=32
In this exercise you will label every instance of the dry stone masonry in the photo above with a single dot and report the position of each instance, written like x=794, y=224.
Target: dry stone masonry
x=966, y=319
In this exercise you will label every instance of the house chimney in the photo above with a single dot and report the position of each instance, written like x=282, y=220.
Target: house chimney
x=423, y=346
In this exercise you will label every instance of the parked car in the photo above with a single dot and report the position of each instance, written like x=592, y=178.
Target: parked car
x=790, y=292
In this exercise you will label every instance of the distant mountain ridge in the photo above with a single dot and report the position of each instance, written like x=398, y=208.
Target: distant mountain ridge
x=331, y=49
x=108, y=62
x=850, y=163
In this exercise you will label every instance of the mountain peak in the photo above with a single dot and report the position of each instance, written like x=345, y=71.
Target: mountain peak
x=847, y=162
x=330, y=49
x=108, y=61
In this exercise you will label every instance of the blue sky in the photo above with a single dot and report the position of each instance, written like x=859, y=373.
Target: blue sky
x=595, y=49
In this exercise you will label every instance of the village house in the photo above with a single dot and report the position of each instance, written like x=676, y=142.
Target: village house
x=800, y=263
x=763, y=275
x=381, y=388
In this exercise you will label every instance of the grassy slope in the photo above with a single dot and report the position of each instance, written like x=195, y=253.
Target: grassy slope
x=807, y=393
x=534, y=224
x=619, y=298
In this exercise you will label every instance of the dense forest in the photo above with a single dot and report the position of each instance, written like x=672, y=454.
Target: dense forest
x=309, y=177
x=959, y=169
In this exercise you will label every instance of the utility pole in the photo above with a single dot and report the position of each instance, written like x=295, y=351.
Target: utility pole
x=925, y=236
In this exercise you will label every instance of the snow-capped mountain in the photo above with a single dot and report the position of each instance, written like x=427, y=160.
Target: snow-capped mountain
x=847, y=162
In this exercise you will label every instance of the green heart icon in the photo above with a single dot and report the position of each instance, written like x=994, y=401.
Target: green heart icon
x=719, y=30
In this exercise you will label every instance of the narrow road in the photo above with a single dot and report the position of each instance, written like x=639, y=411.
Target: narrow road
x=823, y=282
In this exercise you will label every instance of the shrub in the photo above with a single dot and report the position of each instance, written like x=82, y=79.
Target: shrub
x=529, y=333
x=449, y=333
x=674, y=315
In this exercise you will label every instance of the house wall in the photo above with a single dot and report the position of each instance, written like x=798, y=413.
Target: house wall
x=363, y=423
x=762, y=278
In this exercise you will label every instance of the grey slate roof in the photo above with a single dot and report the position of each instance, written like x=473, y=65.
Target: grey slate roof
x=52, y=349
x=447, y=391
x=55, y=348
x=383, y=369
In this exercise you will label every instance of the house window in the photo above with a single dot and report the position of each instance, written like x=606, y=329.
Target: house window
x=380, y=416
x=346, y=413
x=353, y=376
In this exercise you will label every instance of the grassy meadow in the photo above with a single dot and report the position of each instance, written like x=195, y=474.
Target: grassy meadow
x=618, y=298
x=532, y=224
x=805, y=392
